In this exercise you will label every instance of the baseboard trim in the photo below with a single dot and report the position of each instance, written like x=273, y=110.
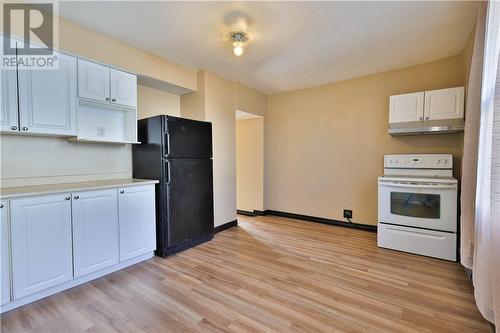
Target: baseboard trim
x=365, y=227
x=225, y=226
x=468, y=272
x=248, y=213
x=245, y=212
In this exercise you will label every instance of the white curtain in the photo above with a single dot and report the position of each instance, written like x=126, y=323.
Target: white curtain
x=471, y=143
x=486, y=256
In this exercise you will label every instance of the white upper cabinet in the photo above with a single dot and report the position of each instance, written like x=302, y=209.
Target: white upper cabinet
x=137, y=221
x=406, y=107
x=429, y=105
x=444, y=104
x=105, y=84
x=47, y=99
x=95, y=230
x=9, y=121
x=8, y=99
x=81, y=99
x=123, y=88
x=93, y=81
x=41, y=243
x=5, y=252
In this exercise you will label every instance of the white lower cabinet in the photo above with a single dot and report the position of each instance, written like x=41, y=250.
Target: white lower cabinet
x=53, y=242
x=41, y=243
x=5, y=252
x=137, y=221
x=95, y=230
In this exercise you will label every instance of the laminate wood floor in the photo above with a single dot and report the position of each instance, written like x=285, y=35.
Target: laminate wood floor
x=267, y=275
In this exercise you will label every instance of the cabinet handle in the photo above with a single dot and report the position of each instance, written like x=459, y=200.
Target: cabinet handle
x=77, y=197
x=107, y=99
x=25, y=129
x=67, y=198
x=14, y=128
x=1, y=206
x=427, y=118
x=113, y=100
x=421, y=118
x=122, y=191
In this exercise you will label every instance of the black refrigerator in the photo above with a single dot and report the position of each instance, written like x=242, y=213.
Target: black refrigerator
x=177, y=152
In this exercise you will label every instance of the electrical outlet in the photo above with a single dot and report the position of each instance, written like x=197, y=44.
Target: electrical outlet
x=101, y=131
x=347, y=213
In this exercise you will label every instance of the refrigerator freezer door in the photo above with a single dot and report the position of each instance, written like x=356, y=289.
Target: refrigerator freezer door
x=190, y=200
x=185, y=138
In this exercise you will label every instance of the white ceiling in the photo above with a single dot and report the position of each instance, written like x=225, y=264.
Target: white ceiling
x=293, y=44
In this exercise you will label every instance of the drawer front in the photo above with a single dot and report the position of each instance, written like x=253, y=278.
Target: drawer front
x=437, y=244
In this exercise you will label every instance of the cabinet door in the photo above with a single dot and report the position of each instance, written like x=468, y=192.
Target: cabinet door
x=5, y=252
x=47, y=99
x=406, y=107
x=41, y=243
x=444, y=104
x=93, y=81
x=123, y=88
x=8, y=103
x=95, y=230
x=8, y=97
x=137, y=221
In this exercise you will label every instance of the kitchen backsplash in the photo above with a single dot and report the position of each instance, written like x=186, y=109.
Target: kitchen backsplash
x=31, y=160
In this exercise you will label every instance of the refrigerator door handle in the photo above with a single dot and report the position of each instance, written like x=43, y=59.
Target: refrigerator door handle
x=167, y=139
x=167, y=176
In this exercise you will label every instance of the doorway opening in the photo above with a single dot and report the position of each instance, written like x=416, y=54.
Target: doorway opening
x=249, y=163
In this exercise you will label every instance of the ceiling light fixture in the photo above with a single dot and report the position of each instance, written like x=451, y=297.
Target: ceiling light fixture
x=238, y=38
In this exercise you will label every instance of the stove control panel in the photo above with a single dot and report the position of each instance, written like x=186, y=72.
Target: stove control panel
x=423, y=161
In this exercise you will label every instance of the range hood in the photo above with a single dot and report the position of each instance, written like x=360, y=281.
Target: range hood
x=427, y=127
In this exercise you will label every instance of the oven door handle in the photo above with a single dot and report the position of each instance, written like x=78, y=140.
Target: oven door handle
x=431, y=186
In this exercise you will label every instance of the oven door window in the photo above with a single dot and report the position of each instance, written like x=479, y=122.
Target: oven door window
x=416, y=205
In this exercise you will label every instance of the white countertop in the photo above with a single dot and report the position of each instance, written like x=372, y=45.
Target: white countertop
x=14, y=192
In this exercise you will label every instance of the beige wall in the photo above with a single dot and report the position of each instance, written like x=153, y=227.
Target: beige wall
x=324, y=146
x=193, y=104
x=251, y=100
x=220, y=111
x=89, y=44
x=215, y=101
x=152, y=102
x=250, y=164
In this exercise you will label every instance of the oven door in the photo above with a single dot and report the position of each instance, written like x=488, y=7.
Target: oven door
x=422, y=205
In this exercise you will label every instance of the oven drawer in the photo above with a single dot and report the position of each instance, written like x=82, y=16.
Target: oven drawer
x=430, y=243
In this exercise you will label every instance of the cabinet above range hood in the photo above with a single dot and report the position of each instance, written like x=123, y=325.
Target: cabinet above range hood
x=427, y=112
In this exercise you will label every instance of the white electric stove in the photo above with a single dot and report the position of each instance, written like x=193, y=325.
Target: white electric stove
x=417, y=205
